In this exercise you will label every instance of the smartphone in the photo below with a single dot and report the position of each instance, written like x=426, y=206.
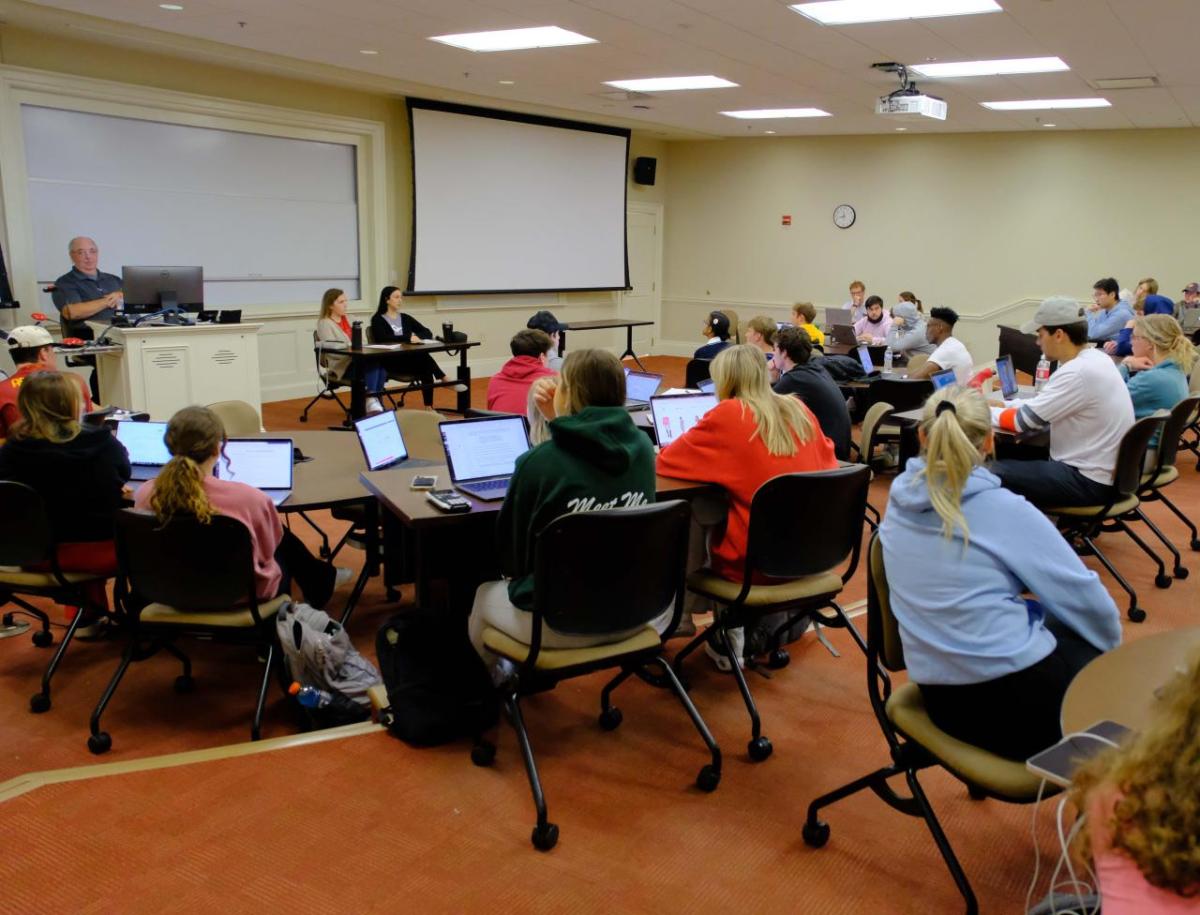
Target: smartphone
x=422, y=481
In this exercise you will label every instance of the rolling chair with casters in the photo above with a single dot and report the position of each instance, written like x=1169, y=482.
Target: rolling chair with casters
x=597, y=573
x=916, y=743
x=26, y=539
x=166, y=594
x=329, y=384
x=871, y=425
x=1165, y=472
x=1087, y=521
x=802, y=557
x=916, y=361
x=696, y=371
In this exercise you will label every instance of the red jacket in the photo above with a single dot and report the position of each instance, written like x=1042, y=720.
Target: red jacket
x=10, y=388
x=724, y=448
x=508, y=389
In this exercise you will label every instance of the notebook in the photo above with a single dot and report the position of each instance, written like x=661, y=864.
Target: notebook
x=147, y=450
x=381, y=440
x=482, y=453
x=675, y=414
x=640, y=387
x=943, y=379
x=264, y=463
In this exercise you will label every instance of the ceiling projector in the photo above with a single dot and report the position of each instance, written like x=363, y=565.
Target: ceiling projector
x=908, y=103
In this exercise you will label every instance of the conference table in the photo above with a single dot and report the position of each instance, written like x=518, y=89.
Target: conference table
x=371, y=352
x=605, y=324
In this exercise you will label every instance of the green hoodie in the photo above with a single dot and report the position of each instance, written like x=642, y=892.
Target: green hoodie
x=596, y=459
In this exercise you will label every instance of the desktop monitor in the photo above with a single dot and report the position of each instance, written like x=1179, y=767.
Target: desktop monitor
x=150, y=289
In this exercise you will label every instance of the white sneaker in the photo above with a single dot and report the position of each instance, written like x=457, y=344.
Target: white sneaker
x=373, y=405
x=343, y=575
x=460, y=388
x=718, y=658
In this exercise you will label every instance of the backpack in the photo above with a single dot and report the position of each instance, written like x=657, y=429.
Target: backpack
x=438, y=687
x=318, y=652
x=842, y=368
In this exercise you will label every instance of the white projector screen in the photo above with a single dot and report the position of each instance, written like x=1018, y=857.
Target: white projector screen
x=506, y=202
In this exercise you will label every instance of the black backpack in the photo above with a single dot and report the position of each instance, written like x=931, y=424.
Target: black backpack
x=437, y=686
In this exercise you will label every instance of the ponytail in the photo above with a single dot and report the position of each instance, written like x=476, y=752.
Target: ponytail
x=1167, y=337
x=194, y=434
x=956, y=422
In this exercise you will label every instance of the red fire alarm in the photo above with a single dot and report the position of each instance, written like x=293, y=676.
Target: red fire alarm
x=787, y=220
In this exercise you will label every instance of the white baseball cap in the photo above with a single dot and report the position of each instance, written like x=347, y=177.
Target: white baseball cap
x=29, y=336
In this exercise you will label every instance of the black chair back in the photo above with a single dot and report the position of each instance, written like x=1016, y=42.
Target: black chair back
x=25, y=534
x=901, y=393
x=1023, y=348
x=883, y=632
x=785, y=543
x=608, y=571
x=1127, y=474
x=1182, y=415
x=697, y=370
x=185, y=564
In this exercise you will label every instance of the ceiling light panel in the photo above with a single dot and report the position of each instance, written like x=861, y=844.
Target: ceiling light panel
x=1047, y=104
x=765, y=114
x=1007, y=67
x=549, y=36
x=852, y=12
x=671, y=83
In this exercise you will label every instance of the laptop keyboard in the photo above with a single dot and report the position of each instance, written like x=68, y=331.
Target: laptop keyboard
x=490, y=485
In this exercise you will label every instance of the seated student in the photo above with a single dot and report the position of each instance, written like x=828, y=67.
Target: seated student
x=186, y=486
x=390, y=325
x=911, y=297
x=760, y=332
x=716, y=329
x=508, y=389
x=959, y=552
x=32, y=350
x=1139, y=834
x=803, y=315
x=549, y=325
x=1163, y=358
x=812, y=384
x=1107, y=313
x=79, y=471
x=907, y=335
x=1084, y=403
x=333, y=331
x=596, y=458
x=858, y=292
x=949, y=353
x=872, y=328
x=1151, y=305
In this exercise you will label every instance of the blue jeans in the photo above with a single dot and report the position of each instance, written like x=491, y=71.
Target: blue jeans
x=374, y=376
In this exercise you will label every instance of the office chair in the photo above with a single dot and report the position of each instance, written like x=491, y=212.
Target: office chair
x=696, y=371
x=597, y=573
x=803, y=558
x=872, y=425
x=735, y=330
x=1183, y=415
x=167, y=594
x=329, y=385
x=916, y=361
x=238, y=417
x=916, y=742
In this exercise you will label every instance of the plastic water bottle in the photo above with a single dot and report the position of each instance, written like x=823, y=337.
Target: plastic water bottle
x=310, y=696
x=887, y=361
x=356, y=335
x=1042, y=374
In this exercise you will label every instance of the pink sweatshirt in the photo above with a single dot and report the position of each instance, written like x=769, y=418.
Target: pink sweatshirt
x=253, y=509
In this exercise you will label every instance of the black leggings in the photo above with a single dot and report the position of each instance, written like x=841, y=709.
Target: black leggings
x=314, y=576
x=1017, y=715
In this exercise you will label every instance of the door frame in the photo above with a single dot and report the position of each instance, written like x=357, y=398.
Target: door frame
x=655, y=210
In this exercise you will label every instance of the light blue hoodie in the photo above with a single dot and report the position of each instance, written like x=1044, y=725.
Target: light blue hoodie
x=961, y=615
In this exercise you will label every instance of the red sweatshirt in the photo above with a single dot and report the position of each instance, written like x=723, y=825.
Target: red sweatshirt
x=508, y=389
x=724, y=448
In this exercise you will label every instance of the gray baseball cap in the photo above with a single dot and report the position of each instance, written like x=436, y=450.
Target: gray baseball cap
x=1056, y=311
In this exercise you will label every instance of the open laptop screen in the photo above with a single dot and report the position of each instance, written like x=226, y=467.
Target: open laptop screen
x=707, y=386
x=1008, y=377
x=144, y=442
x=640, y=386
x=264, y=463
x=674, y=414
x=864, y=357
x=943, y=379
x=477, y=449
x=381, y=440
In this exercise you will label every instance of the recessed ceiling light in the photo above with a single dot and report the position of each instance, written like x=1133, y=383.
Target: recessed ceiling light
x=547, y=36
x=670, y=83
x=507, y=82
x=849, y=12
x=368, y=51
x=1043, y=104
x=1049, y=125
x=765, y=114
x=901, y=129
x=990, y=67
x=172, y=7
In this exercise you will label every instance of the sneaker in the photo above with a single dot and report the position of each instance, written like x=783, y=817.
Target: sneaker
x=374, y=405
x=357, y=542
x=460, y=388
x=342, y=576
x=92, y=631
x=719, y=660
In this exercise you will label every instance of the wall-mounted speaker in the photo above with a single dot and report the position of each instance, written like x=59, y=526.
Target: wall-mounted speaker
x=644, y=168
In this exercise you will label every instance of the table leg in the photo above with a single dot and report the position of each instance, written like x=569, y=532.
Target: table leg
x=629, y=348
x=464, y=378
x=370, y=559
x=562, y=342
x=358, y=388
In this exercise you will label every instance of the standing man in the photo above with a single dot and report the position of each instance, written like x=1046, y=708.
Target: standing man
x=950, y=352
x=858, y=292
x=83, y=294
x=1107, y=314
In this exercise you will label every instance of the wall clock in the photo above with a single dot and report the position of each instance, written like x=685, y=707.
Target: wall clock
x=844, y=216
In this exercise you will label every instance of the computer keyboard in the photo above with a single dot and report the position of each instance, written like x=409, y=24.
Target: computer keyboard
x=490, y=485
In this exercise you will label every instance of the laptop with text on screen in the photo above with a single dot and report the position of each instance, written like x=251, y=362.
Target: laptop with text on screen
x=640, y=387
x=381, y=440
x=674, y=414
x=264, y=463
x=147, y=450
x=482, y=453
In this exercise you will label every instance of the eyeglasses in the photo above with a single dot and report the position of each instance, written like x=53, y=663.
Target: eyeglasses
x=86, y=251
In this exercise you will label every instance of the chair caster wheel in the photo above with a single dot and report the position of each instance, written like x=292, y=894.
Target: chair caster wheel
x=325, y=553
x=1163, y=581
x=483, y=754
x=38, y=703
x=303, y=419
x=709, y=778
x=545, y=837
x=779, y=659
x=759, y=748
x=392, y=595
x=815, y=833
x=43, y=638
x=184, y=685
x=1136, y=614
x=1196, y=545
x=1181, y=573
x=976, y=794
x=100, y=743
x=611, y=718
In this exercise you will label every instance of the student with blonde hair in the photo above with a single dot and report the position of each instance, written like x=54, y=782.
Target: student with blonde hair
x=1143, y=818
x=992, y=666
x=1163, y=358
x=760, y=332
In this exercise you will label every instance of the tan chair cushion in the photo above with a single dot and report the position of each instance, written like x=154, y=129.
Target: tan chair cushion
x=1087, y=511
x=162, y=615
x=558, y=658
x=1165, y=476
x=19, y=578
x=708, y=583
x=1008, y=779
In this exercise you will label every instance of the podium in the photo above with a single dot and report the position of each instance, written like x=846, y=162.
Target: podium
x=162, y=368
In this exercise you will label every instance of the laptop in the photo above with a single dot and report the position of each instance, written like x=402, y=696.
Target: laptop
x=482, y=453
x=674, y=414
x=1189, y=319
x=843, y=334
x=868, y=364
x=707, y=386
x=264, y=463
x=1008, y=377
x=780, y=325
x=943, y=379
x=838, y=316
x=147, y=450
x=639, y=388
x=381, y=440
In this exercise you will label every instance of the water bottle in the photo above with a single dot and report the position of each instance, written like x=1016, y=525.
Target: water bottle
x=310, y=696
x=887, y=361
x=1042, y=374
x=356, y=335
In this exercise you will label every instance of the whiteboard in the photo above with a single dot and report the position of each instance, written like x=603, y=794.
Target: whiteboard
x=271, y=220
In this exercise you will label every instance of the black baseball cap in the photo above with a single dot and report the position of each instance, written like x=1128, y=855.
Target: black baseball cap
x=545, y=321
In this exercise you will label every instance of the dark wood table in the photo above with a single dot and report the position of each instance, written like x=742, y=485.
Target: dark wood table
x=603, y=324
x=372, y=352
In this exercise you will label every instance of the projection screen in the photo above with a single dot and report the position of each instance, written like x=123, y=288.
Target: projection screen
x=506, y=202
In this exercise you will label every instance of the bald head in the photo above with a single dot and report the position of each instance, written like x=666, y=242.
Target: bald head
x=85, y=255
